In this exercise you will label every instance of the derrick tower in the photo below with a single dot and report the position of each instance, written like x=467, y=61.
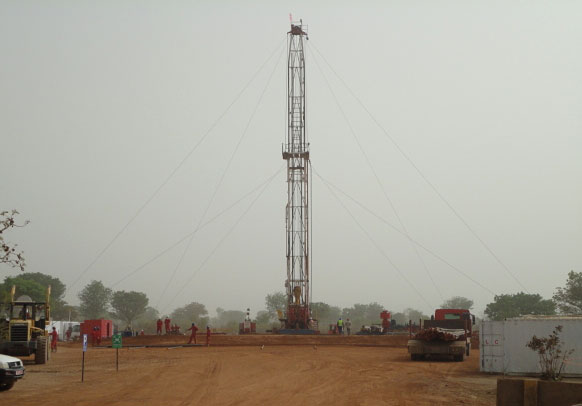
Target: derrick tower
x=296, y=153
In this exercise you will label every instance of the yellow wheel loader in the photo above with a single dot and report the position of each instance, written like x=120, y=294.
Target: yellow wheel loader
x=22, y=327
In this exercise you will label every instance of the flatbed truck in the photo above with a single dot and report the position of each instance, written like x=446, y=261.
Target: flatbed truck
x=443, y=337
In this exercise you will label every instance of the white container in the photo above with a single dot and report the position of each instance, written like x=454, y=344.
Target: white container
x=63, y=326
x=503, y=344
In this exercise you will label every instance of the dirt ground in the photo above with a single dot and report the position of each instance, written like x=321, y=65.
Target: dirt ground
x=288, y=370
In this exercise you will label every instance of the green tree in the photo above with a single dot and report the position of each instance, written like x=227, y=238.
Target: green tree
x=129, y=305
x=228, y=319
x=24, y=287
x=264, y=320
x=325, y=314
x=324, y=311
x=147, y=320
x=8, y=252
x=276, y=301
x=458, y=302
x=191, y=313
x=415, y=315
x=519, y=304
x=94, y=299
x=57, y=301
x=363, y=314
x=70, y=312
x=400, y=318
x=569, y=298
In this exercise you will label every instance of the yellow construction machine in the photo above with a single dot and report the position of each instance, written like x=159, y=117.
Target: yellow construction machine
x=22, y=327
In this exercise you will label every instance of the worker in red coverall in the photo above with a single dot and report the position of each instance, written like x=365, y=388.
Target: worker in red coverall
x=193, y=335
x=159, y=327
x=167, y=324
x=93, y=336
x=97, y=334
x=208, y=336
x=54, y=338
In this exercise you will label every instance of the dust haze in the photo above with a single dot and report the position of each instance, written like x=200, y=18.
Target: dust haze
x=101, y=102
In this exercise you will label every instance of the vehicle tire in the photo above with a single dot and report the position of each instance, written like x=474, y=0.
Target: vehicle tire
x=459, y=358
x=6, y=385
x=41, y=354
x=413, y=357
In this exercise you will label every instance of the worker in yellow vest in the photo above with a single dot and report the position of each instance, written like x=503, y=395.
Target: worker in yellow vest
x=340, y=326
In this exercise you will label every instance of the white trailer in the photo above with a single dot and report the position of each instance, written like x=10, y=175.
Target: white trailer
x=63, y=326
x=504, y=350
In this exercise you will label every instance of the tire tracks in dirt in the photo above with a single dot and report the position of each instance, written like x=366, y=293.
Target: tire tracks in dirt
x=204, y=385
x=285, y=375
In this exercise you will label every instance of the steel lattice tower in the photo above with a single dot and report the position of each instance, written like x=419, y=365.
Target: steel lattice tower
x=296, y=153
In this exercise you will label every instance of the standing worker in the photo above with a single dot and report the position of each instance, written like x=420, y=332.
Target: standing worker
x=193, y=335
x=93, y=336
x=167, y=325
x=208, y=336
x=340, y=326
x=54, y=338
x=348, y=326
x=159, y=327
x=98, y=335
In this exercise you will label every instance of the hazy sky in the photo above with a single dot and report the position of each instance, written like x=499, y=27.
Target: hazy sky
x=100, y=102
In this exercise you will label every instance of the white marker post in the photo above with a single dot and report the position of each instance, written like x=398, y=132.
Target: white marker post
x=83, y=363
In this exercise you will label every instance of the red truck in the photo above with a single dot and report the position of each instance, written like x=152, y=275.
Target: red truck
x=455, y=314
x=448, y=332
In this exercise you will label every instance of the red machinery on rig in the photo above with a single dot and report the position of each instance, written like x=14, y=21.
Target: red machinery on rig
x=378, y=329
x=386, y=317
x=247, y=326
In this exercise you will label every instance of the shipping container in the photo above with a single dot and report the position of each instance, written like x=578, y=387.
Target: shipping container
x=503, y=344
x=105, y=327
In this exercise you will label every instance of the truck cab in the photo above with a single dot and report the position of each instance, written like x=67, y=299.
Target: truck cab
x=456, y=314
x=448, y=333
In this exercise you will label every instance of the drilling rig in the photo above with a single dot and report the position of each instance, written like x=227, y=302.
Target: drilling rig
x=297, y=219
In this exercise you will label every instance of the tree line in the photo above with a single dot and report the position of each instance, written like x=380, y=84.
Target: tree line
x=130, y=308
x=566, y=300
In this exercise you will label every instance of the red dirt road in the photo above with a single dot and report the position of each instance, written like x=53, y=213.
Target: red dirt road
x=366, y=371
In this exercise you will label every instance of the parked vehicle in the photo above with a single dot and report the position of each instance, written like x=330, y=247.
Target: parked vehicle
x=11, y=370
x=447, y=333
